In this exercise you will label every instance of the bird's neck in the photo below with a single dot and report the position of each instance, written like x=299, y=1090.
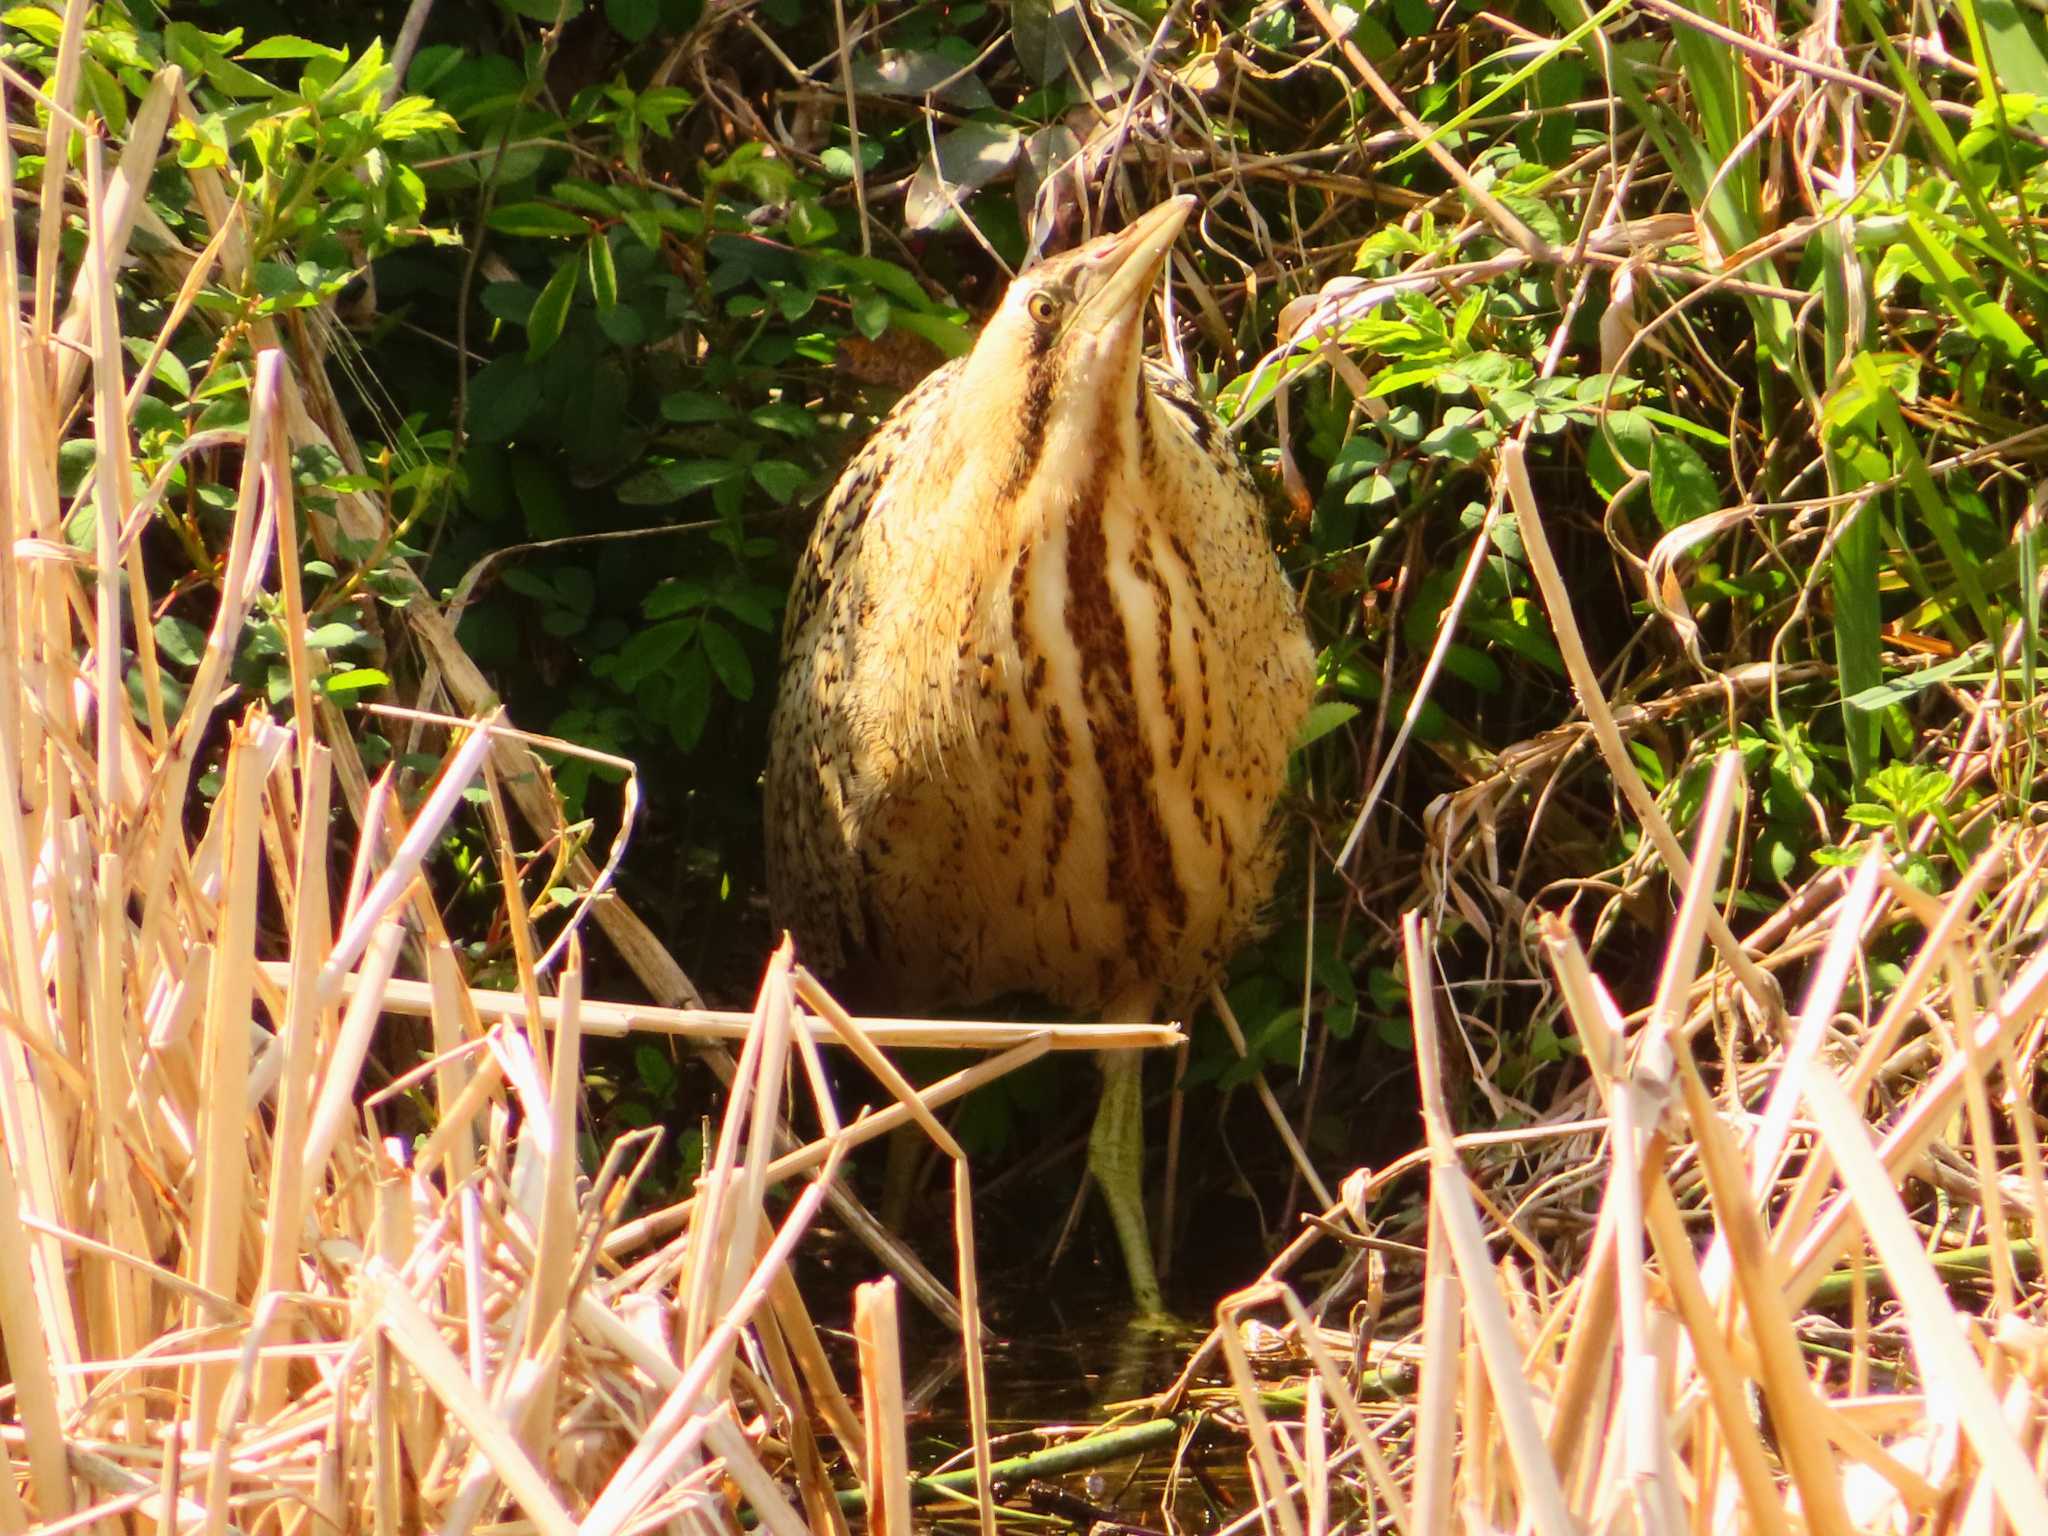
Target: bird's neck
x=1088, y=499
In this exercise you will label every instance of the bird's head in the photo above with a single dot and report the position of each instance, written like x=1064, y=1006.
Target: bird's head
x=1069, y=335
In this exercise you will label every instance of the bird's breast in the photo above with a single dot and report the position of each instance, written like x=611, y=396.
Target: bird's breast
x=1122, y=758
x=1063, y=717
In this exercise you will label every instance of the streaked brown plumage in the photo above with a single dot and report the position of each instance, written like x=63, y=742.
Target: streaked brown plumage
x=1041, y=673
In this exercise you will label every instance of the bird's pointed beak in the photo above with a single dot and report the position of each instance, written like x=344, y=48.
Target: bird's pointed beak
x=1131, y=260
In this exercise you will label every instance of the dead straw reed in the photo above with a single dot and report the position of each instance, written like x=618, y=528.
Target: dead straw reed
x=1777, y=1273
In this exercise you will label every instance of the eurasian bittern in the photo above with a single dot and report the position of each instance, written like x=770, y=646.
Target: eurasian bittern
x=1041, y=674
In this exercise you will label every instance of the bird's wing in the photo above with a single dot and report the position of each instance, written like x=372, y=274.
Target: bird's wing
x=813, y=804
x=1199, y=419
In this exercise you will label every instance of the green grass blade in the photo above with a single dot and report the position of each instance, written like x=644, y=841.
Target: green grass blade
x=1967, y=299
x=1942, y=145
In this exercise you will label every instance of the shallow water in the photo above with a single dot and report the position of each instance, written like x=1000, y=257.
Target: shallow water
x=1068, y=1361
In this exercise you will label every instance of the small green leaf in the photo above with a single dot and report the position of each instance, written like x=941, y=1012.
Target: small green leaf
x=328, y=637
x=1322, y=719
x=503, y=398
x=678, y=595
x=1455, y=441
x=1900, y=689
x=648, y=651
x=690, y=405
x=354, y=680
x=750, y=609
x=604, y=277
x=728, y=659
x=1682, y=487
x=285, y=46
x=779, y=478
x=837, y=161
x=551, y=309
x=39, y=22
x=780, y=416
x=690, y=702
x=672, y=482
x=1619, y=449
x=180, y=641
x=538, y=219
x=810, y=222
x=871, y=315
x=634, y=20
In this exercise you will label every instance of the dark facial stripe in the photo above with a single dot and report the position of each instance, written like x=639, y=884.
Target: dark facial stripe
x=1039, y=387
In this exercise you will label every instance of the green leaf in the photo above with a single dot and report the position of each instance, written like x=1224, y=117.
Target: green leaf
x=677, y=595
x=285, y=46
x=1322, y=719
x=354, y=680
x=327, y=637
x=750, y=609
x=672, y=482
x=871, y=315
x=634, y=20
x=810, y=222
x=690, y=701
x=1910, y=789
x=837, y=161
x=779, y=478
x=948, y=335
x=547, y=12
x=39, y=22
x=649, y=650
x=728, y=659
x=604, y=277
x=180, y=641
x=1455, y=440
x=1619, y=450
x=1682, y=487
x=537, y=219
x=551, y=309
x=780, y=416
x=690, y=405
x=1966, y=667
x=963, y=161
x=502, y=398
x=1978, y=310
x=914, y=72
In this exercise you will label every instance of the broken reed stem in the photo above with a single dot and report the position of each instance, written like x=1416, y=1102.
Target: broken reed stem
x=707, y=1024
x=974, y=1365
x=881, y=1382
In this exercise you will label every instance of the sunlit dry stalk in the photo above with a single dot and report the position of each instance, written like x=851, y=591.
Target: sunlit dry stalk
x=881, y=1379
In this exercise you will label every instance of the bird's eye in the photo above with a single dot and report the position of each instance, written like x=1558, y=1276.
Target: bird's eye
x=1042, y=307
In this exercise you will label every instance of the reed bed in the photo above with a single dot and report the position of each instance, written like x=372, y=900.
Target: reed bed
x=1779, y=1272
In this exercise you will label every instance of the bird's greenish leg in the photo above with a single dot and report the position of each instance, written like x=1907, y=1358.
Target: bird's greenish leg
x=1116, y=1156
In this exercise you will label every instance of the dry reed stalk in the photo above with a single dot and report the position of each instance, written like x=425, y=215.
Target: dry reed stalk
x=707, y=1024
x=1685, y=1376
x=237, y=1290
x=881, y=1380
